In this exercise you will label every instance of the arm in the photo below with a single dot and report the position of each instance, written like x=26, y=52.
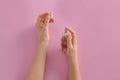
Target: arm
x=74, y=73
x=36, y=71
x=69, y=46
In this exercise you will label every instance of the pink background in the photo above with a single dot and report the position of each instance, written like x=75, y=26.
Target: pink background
x=97, y=25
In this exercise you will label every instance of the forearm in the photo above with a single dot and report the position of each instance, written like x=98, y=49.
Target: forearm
x=36, y=71
x=74, y=73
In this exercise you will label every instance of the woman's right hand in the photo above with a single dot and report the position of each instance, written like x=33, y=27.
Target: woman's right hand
x=69, y=44
x=42, y=27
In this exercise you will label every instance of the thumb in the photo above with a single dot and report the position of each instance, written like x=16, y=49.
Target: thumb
x=69, y=41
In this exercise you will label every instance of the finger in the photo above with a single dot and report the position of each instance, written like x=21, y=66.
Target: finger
x=70, y=30
x=47, y=18
x=51, y=20
x=40, y=20
x=44, y=18
x=69, y=41
x=65, y=31
x=43, y=15
x=63, y=42
x=72, y=34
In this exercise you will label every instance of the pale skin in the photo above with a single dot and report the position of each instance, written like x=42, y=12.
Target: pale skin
x=36, y=70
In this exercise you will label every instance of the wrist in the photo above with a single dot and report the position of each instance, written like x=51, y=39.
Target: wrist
x=43, y=44
x=72, y=59
x=73, y=62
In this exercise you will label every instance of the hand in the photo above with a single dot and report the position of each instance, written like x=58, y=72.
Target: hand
x=42, y=27
x=69, y=43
